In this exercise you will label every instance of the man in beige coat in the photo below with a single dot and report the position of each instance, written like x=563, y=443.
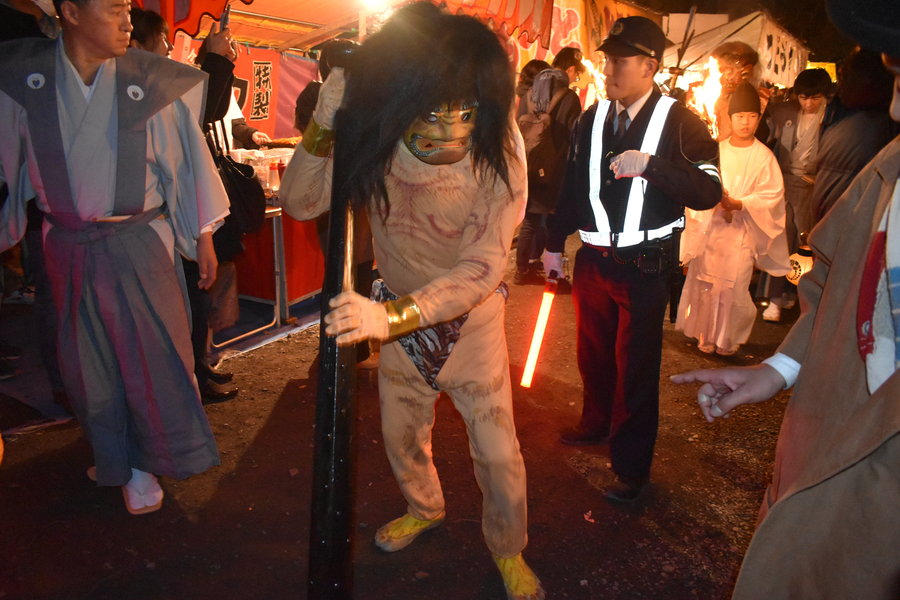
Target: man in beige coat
x=830, y=520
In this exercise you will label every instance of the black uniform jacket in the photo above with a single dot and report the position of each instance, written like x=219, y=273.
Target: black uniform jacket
x=673, y=177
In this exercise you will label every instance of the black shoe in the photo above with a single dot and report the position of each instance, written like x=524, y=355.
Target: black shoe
x=521, y=277
x=212, y=393
x=219, y=376
x=625, y=490
x=578, y=436
x=9, y=351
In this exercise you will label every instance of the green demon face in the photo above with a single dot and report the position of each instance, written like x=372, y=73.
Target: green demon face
x=444, y=135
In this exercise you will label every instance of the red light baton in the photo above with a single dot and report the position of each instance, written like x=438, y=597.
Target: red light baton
x=539, y=327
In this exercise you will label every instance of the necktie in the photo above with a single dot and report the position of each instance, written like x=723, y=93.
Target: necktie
x=621, y=126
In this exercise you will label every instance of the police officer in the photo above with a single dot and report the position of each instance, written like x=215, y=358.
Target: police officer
x=639, y=158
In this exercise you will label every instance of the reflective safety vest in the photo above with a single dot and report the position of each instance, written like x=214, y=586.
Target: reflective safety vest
x=631, y=234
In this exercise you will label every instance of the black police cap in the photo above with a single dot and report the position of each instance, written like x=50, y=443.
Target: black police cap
x=631, y=36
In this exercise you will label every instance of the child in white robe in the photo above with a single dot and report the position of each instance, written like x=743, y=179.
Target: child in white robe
x=721, y=246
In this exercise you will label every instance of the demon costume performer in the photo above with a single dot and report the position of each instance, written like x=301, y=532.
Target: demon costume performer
x=435, y=158
x=109, y=144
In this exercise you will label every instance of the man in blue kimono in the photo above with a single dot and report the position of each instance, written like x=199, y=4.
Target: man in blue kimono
x=108, y=143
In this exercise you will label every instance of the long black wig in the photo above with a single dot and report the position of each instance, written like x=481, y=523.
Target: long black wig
x=420, y=59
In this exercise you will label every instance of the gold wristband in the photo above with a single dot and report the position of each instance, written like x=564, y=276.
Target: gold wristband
x=317, y=140
x=403, y=316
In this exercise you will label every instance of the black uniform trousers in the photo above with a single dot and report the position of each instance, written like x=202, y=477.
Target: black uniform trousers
x=619, y=313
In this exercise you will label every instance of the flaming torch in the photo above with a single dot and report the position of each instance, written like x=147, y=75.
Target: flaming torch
x=596, y=87
x=538, y=338
x=704, y=94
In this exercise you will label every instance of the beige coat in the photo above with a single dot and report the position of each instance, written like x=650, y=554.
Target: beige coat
x=830, y=523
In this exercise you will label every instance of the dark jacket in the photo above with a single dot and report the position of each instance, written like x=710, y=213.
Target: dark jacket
x=542, y=198
x=673, y=179
x=850, y=138
x=218, y=93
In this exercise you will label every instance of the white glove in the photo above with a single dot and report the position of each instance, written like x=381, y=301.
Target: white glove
x=630, y=163
x=331, y=95
x=552, y=262
x=355, y=318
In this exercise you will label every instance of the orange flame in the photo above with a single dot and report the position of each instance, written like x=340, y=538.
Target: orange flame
x=704, y=95
x=599, y=80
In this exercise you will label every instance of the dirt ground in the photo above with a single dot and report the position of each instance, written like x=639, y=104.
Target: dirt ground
x=240, y=530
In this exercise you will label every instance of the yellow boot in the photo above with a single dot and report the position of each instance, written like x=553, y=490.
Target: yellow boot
x=520, y=581
x=399, y=533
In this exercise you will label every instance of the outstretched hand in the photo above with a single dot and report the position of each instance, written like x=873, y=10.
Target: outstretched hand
x=355, y=318
x=725, y=389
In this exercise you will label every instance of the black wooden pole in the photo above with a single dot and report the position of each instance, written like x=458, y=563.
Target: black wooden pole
x=330, y=561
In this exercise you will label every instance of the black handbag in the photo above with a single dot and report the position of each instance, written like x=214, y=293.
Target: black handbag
x=245, y=193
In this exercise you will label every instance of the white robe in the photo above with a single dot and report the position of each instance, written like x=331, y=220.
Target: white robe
x=716, y=306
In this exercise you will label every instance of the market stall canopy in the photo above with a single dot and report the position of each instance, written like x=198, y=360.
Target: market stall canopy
x=781, y=55
x=302, y=24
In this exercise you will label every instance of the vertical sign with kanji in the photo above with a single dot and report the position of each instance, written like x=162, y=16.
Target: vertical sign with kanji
x=262, y=90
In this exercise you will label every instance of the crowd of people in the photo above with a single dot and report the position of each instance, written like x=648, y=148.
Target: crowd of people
x=108, y=174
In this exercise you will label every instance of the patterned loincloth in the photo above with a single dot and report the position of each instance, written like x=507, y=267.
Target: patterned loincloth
x=428, y=348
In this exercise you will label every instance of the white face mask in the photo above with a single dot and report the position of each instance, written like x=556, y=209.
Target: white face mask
x=46, y=6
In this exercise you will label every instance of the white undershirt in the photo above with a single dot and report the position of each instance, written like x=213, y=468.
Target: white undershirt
x=635, y=107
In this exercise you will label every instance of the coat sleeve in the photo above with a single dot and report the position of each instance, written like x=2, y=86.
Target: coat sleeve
x=243, y=134
x=218, y=95
x=181, y=159
x=688, y=173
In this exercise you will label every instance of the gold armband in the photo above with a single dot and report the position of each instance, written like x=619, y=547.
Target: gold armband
x=403, y=316
x=317, y=140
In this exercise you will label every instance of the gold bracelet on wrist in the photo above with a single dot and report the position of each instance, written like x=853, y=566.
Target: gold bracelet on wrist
x=317, y=140
x=403, y=316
